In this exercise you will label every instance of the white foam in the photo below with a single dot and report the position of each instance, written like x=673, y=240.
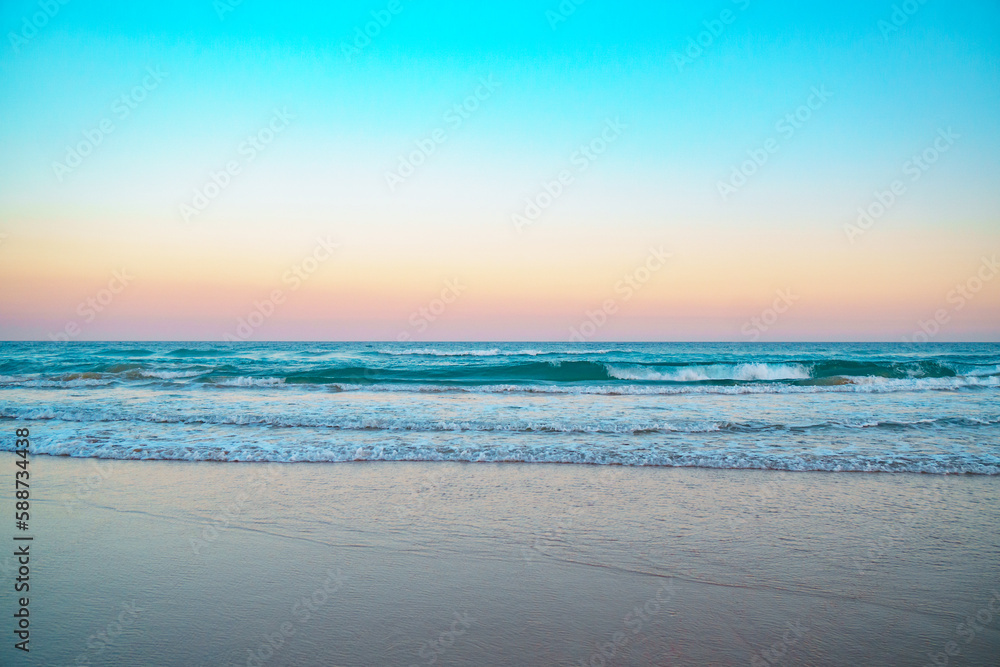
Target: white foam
x=739, y=372
x=410, y=422
x=851, y=385
x=56, y=383
x=427, y=352
x=492, y=352
x=170, y=375
x=469, y=453
x=250, y=382
x=376, y=423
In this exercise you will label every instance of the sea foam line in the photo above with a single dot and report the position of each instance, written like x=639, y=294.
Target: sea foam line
x=373, y=422
x=657, y=457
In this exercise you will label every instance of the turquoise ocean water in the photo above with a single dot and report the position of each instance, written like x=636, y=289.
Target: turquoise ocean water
x=835, y=407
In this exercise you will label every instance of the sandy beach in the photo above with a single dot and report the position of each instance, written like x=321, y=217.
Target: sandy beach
x=521, y=334
x=176, y=563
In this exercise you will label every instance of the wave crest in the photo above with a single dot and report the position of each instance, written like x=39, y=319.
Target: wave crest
x=748, y=372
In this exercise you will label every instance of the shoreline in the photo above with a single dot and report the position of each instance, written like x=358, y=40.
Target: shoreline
x=542, y=564
x=588, y=464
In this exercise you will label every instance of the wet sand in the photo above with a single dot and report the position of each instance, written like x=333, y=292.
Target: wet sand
x=171, y=563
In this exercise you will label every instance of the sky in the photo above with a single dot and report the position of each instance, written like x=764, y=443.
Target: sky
x=735, y=170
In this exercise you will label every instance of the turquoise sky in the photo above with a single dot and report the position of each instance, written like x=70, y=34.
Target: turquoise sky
x=606, y=59
x=561, y=77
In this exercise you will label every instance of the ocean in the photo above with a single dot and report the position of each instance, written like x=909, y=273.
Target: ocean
x=879, y=407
